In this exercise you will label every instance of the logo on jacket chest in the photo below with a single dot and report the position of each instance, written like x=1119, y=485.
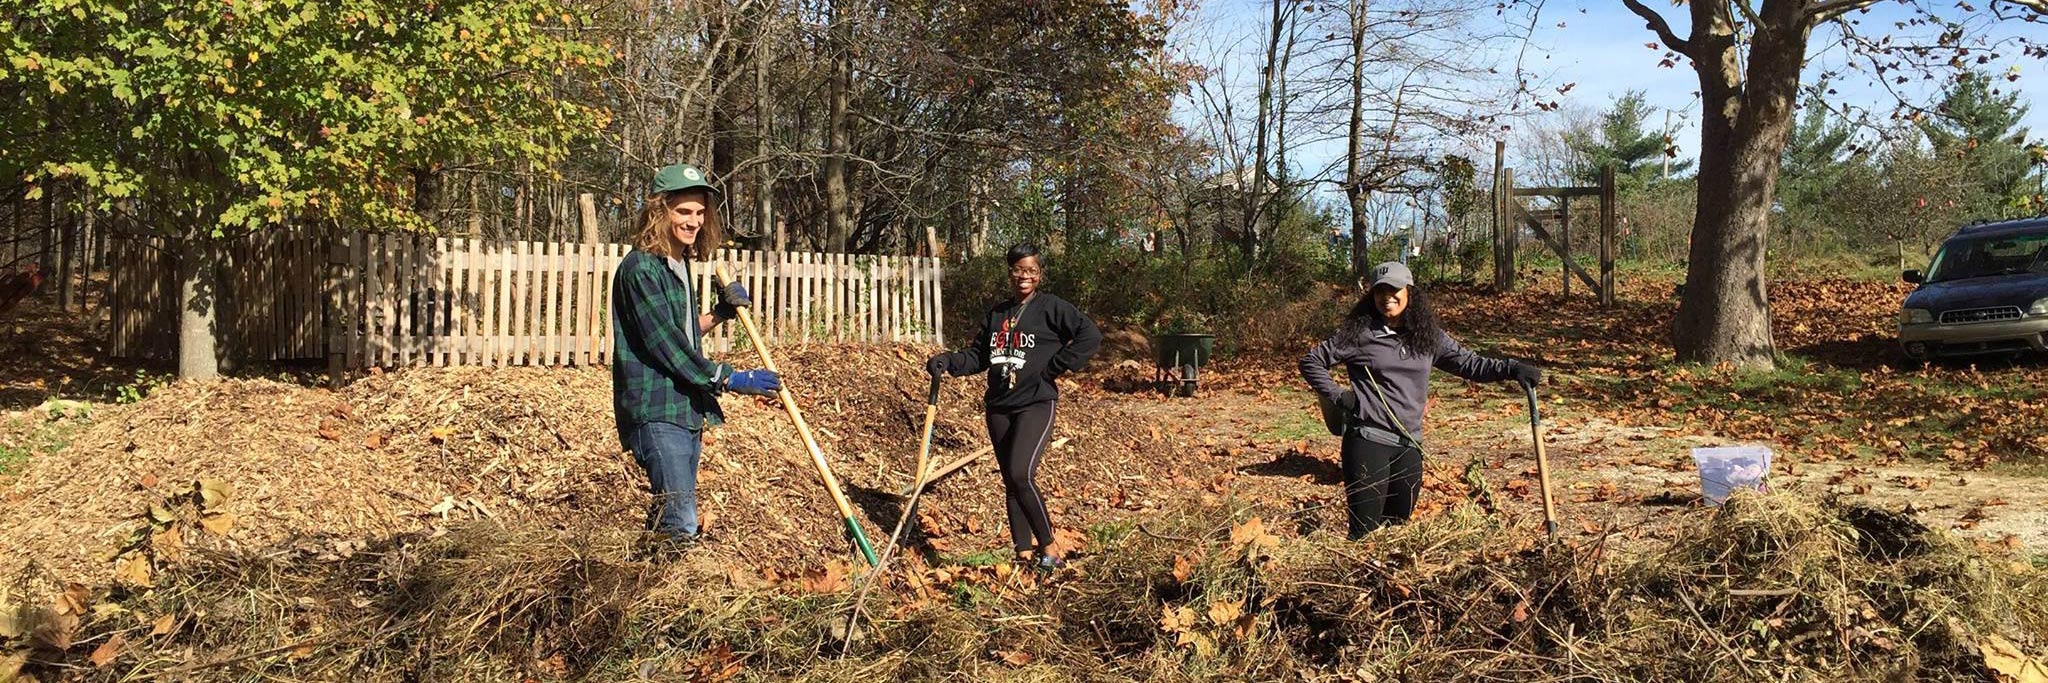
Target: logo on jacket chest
x=1014, y=340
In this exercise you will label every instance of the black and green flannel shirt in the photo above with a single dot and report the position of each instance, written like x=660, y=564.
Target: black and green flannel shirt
x=659, y=372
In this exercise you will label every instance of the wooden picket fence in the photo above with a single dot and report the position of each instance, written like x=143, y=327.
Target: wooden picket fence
x=382, y=300
x=270, y=305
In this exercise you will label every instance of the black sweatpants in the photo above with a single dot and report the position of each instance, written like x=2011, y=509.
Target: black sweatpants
x=1381, y=483
x=1019, y=438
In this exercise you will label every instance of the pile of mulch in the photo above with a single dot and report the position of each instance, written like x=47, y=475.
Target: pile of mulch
x=420, y=449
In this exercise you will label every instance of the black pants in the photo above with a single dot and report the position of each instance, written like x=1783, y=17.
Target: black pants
x=1381, y=483
x=1019, y=438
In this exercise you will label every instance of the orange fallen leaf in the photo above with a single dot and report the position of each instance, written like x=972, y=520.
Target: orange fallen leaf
x=107, y=651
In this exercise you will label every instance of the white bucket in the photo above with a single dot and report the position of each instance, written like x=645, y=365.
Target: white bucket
x=1727, y=468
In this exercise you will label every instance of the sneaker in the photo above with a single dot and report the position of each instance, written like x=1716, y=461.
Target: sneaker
x=660, y=547
x=1050, y=563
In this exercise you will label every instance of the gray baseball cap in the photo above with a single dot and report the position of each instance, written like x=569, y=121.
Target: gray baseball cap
x=1393, y=274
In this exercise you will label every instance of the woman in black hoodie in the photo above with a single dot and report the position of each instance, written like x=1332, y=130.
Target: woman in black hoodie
x=1026, y=342
x=1388, y=345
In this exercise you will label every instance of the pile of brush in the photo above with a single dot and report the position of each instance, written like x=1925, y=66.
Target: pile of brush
x=1766, y=588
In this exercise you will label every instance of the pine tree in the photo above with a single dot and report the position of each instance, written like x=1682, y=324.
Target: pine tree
x=1980, y=125
x=1637, y=154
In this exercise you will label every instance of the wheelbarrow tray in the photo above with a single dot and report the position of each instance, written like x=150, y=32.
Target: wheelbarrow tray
x=1179, y=357
x=1175, y=350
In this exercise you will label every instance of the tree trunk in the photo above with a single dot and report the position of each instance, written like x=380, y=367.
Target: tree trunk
x=1724, y=315
x=1354, y=162
x=67, y=266
x=1254, y=203
x=765, y=222
x=198, y=294
x=838, y=198
x=1283, y=195
x=727, y=71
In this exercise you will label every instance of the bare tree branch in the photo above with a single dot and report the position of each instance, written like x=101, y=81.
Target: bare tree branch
x=1655, y=22
x=1829, y=9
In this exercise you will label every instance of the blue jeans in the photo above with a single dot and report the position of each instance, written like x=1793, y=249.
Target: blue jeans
x=669, y=454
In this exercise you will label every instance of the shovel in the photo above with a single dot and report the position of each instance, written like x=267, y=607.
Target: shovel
x=853, y=529
x=924, y=452
x=917, y=480
x=1542, y=463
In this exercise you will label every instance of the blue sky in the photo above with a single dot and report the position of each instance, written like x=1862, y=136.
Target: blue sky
x=1599, y=46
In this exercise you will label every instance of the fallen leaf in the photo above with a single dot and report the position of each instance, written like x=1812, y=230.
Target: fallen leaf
x=2010, y=664
x=1223, y=612
x=1176, y=620
x=1252, y=534
x=1183, y=568
x=107, y=651
x=440, y=434
x=218, y=523
x=74, y=598
x=1014, y=657
x=374, y=442
x=830, y=578
x=214, y=493
x=133, y=569
x=163, y=625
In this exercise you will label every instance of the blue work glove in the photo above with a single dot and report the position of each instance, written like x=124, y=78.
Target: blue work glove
x=754, y=383
x=731, y=297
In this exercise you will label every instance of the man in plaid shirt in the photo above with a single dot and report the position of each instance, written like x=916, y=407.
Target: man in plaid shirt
x=664, y=390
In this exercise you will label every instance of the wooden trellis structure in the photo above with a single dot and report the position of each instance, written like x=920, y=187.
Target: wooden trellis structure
x=1510, y=215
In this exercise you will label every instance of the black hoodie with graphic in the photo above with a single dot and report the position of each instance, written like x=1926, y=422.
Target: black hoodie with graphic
x=1025, y=347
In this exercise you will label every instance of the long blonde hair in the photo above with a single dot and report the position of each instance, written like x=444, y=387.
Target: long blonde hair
x=656, y=237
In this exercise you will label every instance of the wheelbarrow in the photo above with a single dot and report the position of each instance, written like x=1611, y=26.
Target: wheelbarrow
x=1179, y=361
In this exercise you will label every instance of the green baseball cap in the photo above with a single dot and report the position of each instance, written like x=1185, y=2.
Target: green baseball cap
x=681, y=177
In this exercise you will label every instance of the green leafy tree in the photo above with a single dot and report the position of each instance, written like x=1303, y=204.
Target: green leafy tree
x=1981, y=127
x=1910, y=197
x=1816, y=158
x=205, y=121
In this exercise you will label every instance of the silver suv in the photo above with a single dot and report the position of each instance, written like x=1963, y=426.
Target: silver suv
x=1985, y=292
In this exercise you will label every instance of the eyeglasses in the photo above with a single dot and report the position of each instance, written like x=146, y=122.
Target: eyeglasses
x=1027, y=272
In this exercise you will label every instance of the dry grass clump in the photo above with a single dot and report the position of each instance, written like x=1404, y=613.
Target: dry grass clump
x=1766, y=588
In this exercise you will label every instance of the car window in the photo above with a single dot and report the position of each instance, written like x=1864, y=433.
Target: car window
x=1967, y=257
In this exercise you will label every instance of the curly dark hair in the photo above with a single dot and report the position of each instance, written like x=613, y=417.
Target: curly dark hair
x=1420, y=330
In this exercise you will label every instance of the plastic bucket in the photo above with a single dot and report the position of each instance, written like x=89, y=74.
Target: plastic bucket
x=1727, y=468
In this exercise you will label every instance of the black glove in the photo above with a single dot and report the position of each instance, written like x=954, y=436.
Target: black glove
x=1339, y=412
x=731, y=297
x=936, y=366
x=1526, y=374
